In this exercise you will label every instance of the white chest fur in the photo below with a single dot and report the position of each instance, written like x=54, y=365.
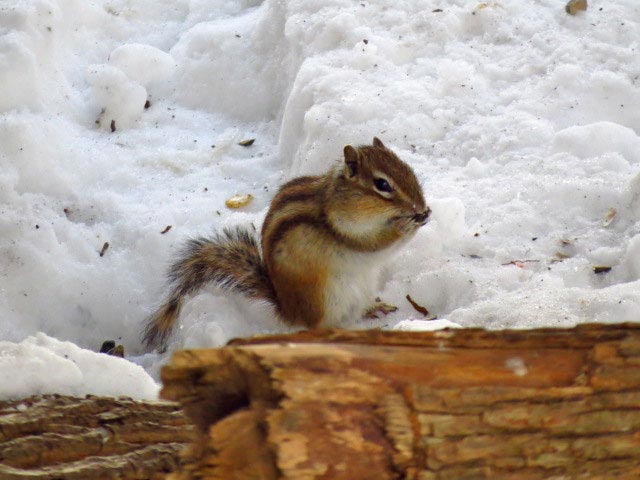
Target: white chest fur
x=352, y=284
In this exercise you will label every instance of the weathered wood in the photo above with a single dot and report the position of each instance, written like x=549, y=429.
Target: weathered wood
x=58, y=437
x=461, y=404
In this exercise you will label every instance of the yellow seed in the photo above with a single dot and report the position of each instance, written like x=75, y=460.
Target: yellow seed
x=609, y=217
x=238, y=201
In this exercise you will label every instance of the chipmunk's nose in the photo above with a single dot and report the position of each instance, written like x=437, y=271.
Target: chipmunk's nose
x=421, y=218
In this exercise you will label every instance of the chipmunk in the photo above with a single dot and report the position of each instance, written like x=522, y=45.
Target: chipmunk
x=324, y=241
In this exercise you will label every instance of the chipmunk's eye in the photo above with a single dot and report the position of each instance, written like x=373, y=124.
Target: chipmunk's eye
x=382, y=185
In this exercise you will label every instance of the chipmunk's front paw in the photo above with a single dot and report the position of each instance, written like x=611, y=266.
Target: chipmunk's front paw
x=379, y=307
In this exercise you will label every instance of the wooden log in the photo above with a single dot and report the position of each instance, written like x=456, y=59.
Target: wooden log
x=454, y=404
x=59, y=437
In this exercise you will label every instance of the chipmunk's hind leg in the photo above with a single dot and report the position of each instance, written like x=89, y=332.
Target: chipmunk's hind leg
x=301, y=299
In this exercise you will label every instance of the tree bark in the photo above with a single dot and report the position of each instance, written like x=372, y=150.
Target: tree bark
x=57, y=437
x=455, y=404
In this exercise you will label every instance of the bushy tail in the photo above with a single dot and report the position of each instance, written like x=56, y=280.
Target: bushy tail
x=230, y=259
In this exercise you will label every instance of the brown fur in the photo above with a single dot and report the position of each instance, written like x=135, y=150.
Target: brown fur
x=312, y=223
x=300, y=285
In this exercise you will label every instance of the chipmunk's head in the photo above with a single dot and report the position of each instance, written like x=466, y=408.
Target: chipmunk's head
x=383, y=190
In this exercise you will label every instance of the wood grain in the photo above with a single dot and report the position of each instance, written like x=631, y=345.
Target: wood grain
x=56, y=437
x=455, y=404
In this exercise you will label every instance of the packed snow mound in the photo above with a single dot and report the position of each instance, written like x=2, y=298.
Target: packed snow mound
x=143, y=64
x=119, y=119
x=597, y=139
x=41, y=365
x=123, y=99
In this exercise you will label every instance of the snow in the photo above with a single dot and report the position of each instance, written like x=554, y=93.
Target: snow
x=417, y=325
x=520, y=121
x=41, y=364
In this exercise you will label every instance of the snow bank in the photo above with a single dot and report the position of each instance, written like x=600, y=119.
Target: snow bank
x=41, y=364
x=121, y=118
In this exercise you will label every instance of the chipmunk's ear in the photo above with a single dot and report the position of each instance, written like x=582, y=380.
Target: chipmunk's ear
x=378, y=143
x=351, y=160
